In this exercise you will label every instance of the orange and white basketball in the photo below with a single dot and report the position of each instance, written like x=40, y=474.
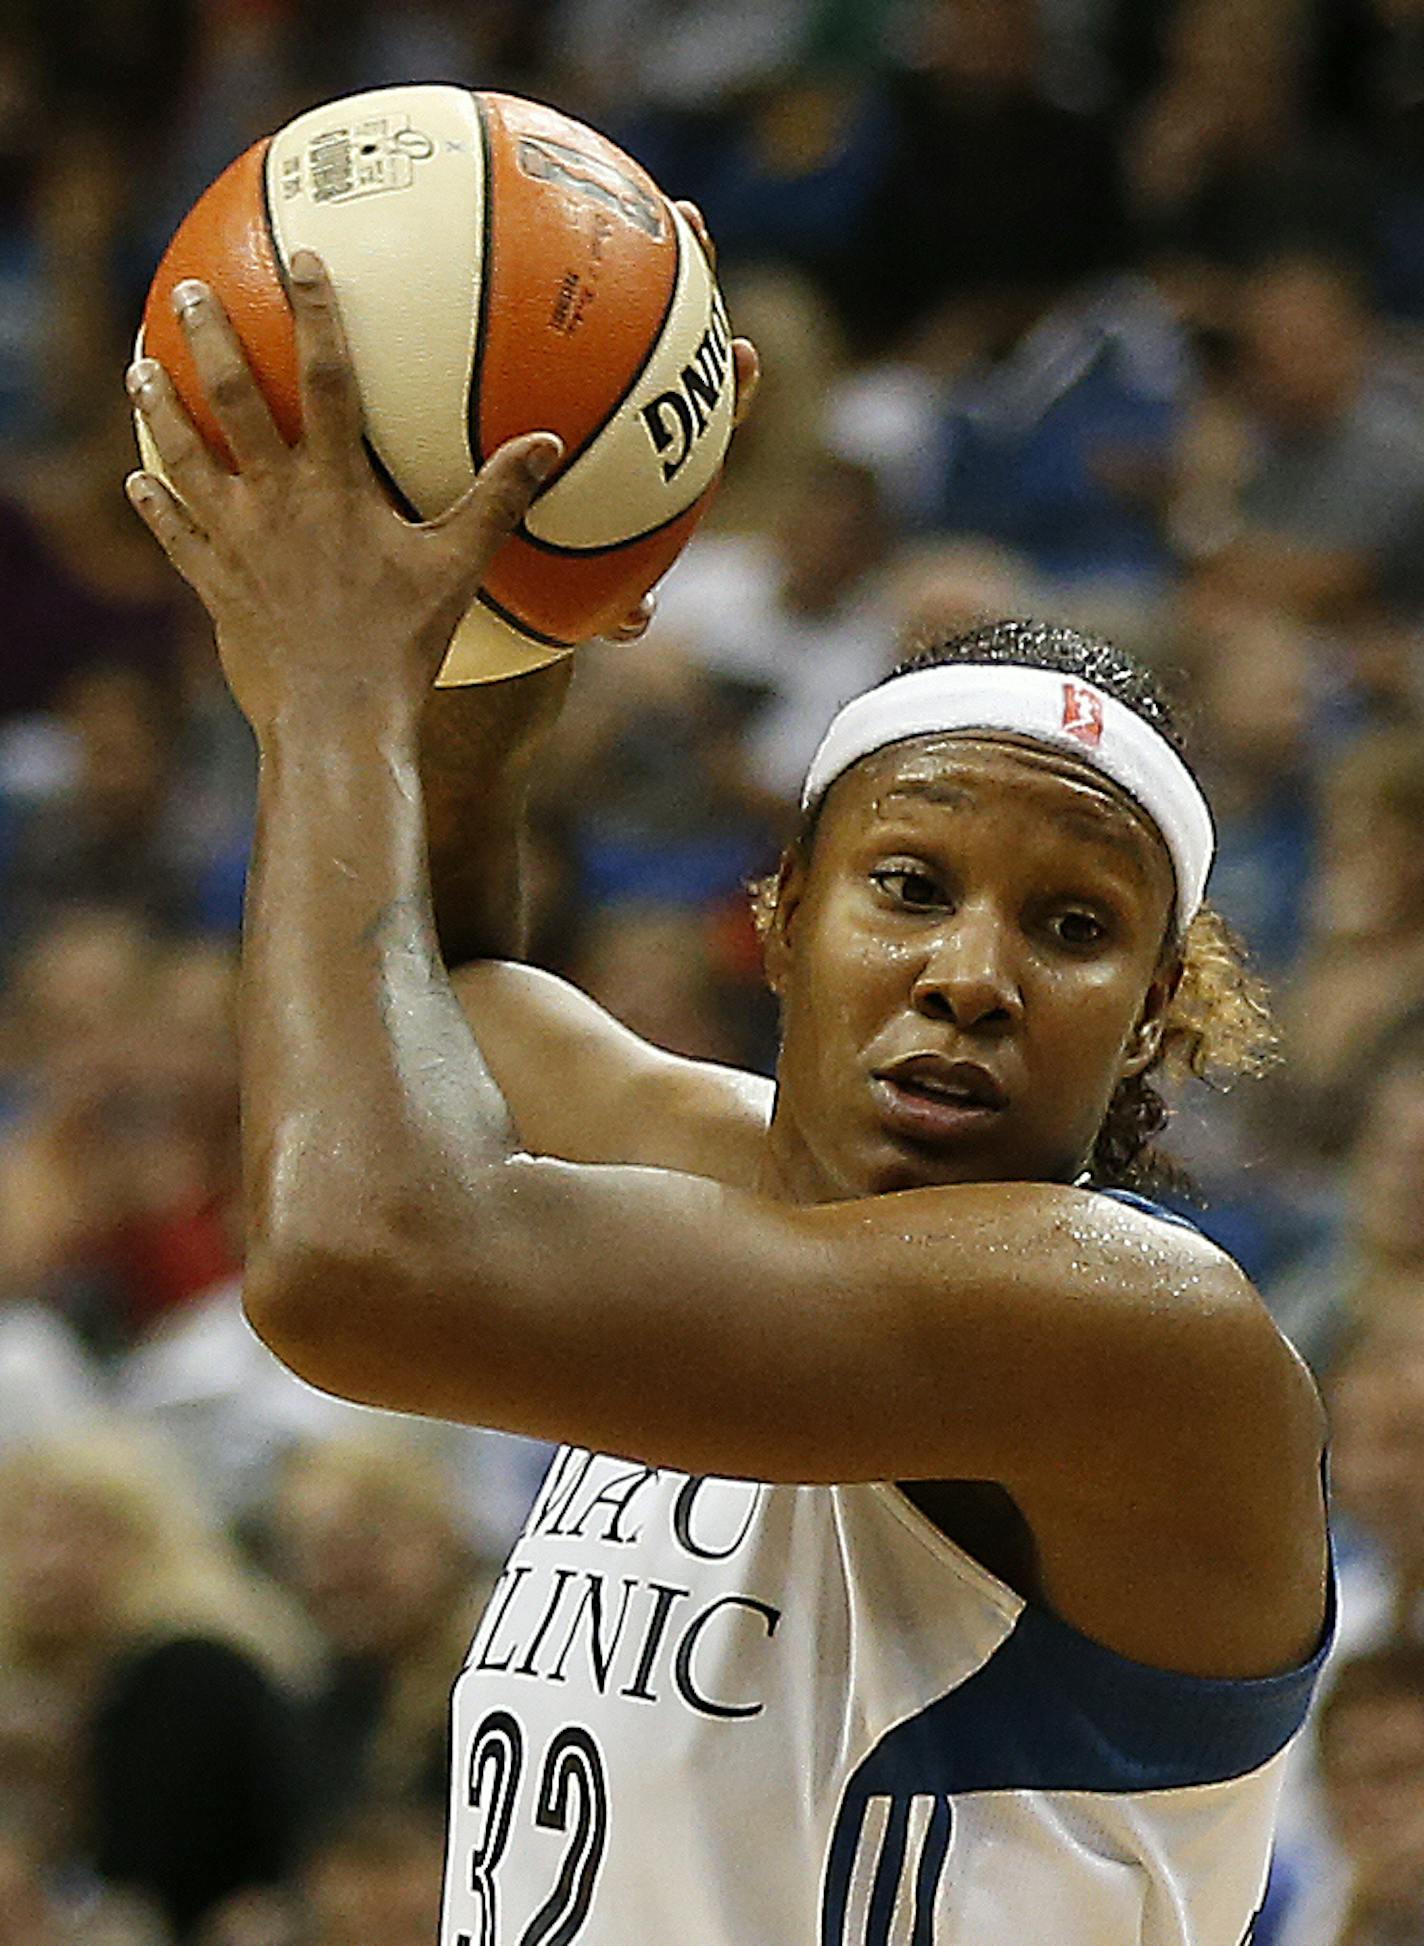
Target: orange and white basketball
x=501, y=269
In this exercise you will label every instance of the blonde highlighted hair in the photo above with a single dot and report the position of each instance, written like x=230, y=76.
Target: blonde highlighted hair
x=186, y=1575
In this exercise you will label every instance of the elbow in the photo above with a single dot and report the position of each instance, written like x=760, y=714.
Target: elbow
x=310, y=1306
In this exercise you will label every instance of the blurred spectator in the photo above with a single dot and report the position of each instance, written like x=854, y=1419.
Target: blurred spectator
x=1310, y=492
x=1370, y=1738
x=993, y=198
x=801, y=358
x=1253, y=695
x=376, y=1878
x=169, y=1660
x=1376, y=1397
x=940, y=588
x=1063, y=448
x=117, y=836
x=1224, y=121
x=203, y=1378
x=673, y=54
x=28, y=1914
x=795, y=623
x=1363, y=968
x=654, y=967
x=365, y=1535
x=1370, y=1270
x=644, y=774
x=119, y=1177
x=84, y=584
x=33, y=1912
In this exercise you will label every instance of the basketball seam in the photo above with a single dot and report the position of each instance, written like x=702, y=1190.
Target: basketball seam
x=614, y=547
x=508, y=616
x=477, y=362
x=273, y=238
x=404, y=504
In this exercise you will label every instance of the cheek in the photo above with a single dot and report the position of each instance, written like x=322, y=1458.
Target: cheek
x=849, y=976
x=1088, y=1017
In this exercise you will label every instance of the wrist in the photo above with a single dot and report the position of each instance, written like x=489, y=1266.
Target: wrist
x=348, y=725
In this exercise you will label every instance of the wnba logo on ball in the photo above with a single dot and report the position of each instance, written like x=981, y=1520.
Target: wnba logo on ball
x=676, y=419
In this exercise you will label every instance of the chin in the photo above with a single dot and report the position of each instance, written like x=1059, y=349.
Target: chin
x=898, y=1164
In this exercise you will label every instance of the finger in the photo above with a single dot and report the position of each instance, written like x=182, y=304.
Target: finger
x=747, y=362
x=332, y=419
x=172, y=526
x=488, y=514
x=198, y=475
x=238, y=406
x=698, y=224
x=634, y=624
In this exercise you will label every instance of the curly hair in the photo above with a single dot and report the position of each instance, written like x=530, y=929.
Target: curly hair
x=1218, y=1026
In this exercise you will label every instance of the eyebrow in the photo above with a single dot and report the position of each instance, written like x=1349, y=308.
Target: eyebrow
x=1085, y=822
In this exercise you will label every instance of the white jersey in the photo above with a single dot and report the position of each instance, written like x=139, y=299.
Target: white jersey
x=707, y=1712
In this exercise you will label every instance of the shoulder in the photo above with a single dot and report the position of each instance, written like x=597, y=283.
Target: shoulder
x=1203, y=1546
x=1203, y=1317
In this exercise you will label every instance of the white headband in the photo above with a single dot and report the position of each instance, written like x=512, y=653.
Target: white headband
x=1050, y=708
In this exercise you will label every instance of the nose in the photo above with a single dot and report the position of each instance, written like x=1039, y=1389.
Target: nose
x=967, y=975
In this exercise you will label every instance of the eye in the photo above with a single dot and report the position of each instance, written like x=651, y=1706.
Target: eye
x=907, y=885
x=1078, y=929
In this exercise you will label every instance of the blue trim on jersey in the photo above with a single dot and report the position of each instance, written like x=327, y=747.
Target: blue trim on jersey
x=1149, y=1208
x=1052, y=1710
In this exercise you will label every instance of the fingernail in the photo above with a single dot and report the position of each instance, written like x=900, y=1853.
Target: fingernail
x=140, y=376
x=305, y=267
x=541, y=460
x=188, y=296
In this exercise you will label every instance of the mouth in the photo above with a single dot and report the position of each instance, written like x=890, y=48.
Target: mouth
x=927, y=1098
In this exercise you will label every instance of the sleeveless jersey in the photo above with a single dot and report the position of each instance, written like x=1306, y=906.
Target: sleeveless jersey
x=714, y=1712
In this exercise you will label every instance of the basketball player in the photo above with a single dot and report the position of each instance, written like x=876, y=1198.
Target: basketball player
x=937, y=1554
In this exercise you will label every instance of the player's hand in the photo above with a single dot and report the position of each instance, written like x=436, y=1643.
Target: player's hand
x=322, y=595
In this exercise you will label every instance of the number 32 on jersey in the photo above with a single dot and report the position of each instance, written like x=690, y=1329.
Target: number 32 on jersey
x=569, y=1794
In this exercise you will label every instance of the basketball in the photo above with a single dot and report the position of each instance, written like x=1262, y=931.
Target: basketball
x=501, y=269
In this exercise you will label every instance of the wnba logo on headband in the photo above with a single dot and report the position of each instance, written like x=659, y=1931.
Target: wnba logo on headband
x=1082, y=714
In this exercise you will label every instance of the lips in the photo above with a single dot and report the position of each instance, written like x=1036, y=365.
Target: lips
x=929, y=1098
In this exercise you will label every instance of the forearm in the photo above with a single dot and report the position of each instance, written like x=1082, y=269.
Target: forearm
x=367, y=1108
x=478, y=745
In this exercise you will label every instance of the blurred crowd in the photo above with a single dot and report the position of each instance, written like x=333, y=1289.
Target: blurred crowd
x=1109, y=311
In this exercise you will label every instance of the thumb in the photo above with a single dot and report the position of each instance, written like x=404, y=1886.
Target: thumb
x=482, y=519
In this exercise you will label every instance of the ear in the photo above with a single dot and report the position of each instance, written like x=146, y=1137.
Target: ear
x=786, y=896
x=1145, y=1041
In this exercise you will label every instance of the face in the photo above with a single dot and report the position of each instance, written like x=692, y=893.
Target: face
x=1304, y=346
x=372, y=1574
x=1377, y=1454
x=396, y=1900
x=1388, y=1173
x=1374, y=1779
x=969, y=964
x=64, y=1559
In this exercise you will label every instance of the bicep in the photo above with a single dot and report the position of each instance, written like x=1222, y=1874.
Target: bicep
x=981, y=1332
x=581, y=1086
